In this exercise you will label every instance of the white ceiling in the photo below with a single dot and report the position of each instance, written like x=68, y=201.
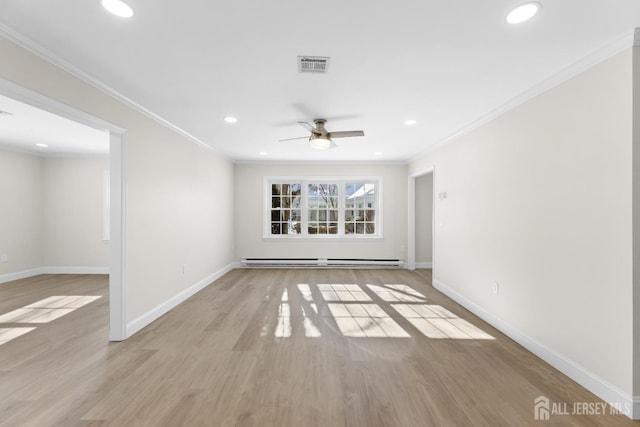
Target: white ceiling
x=446, y=64
x=23, y=126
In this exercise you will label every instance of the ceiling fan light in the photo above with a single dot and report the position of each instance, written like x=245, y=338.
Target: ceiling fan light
x=320, y=143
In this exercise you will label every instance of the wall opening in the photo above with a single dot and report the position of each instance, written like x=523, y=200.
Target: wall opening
x=117, y=329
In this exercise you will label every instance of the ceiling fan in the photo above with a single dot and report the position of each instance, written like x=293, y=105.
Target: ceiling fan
x=321, y=138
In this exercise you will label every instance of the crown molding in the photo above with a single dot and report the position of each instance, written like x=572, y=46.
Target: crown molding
x=241, y=162
x=615, y=46
x=43, y=53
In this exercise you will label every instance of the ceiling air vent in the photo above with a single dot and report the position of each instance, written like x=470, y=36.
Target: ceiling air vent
x=313, y=64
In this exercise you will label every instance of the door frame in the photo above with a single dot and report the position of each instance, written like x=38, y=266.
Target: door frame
x=411, y=220
x=117, y=220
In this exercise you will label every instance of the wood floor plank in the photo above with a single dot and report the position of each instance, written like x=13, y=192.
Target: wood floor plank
x=215, y=360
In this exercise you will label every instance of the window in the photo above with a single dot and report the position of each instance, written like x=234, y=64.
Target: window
x=316, y=208
x=285, y=208
x=360, y=208
x=322, y=208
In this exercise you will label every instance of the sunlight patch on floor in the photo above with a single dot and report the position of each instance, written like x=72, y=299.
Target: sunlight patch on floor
x=43, y=311
x=342, y=292
x=283, y=324
x=48, y=309
x=365, y=320
x=283, y=327
x=310, y=329
x=397, y=293
x=305, y=291
x=352, y=310
x=435, y=321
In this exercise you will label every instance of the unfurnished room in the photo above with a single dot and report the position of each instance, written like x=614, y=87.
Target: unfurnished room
x=415, y=213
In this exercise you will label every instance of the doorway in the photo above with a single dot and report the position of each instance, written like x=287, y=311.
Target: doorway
x=424, y=221
x=115, y=185
x=421, y=220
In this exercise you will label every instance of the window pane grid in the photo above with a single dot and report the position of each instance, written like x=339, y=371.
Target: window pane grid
x=360, y=213
x=285, y=208
x=323, y=208
x=323, y=204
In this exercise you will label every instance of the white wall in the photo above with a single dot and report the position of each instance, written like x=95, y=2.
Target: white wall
x=179, y=195
x=180, y=212
x=72, y=213
x=424, y=220
x=539, y=200
x=51, y=215
x=249, y=213
x=21, y=208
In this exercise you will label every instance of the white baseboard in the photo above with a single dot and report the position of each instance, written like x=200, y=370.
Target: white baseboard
x=74, y=270
x=629, y=405
x=320, y=263
x=424, y=265
x=635, y=413
x=147, y=318
x=9, y=277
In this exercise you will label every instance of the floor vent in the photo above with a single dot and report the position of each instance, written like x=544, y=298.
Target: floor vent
x=322, y=262
x=313, y=64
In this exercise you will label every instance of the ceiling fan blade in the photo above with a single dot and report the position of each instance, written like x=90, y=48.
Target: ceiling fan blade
x=307, y=126
x=346, y=134
x=292, y=139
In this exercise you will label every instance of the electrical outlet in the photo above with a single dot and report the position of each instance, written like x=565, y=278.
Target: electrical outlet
x=4, y=258
x=495, y=287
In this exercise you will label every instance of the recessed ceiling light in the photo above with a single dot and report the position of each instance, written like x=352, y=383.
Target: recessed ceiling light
x=410, y=122
x=230, y=119
x=522, y=13
x=41, y=145
x=378, y=153
x=263, y=153
x=118, y=8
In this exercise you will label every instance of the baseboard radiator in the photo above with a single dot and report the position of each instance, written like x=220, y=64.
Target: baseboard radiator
x=321, y=262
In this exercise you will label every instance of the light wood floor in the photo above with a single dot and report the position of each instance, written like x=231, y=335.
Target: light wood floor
x=215, y=361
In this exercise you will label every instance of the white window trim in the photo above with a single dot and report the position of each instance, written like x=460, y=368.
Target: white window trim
x=304, y=181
